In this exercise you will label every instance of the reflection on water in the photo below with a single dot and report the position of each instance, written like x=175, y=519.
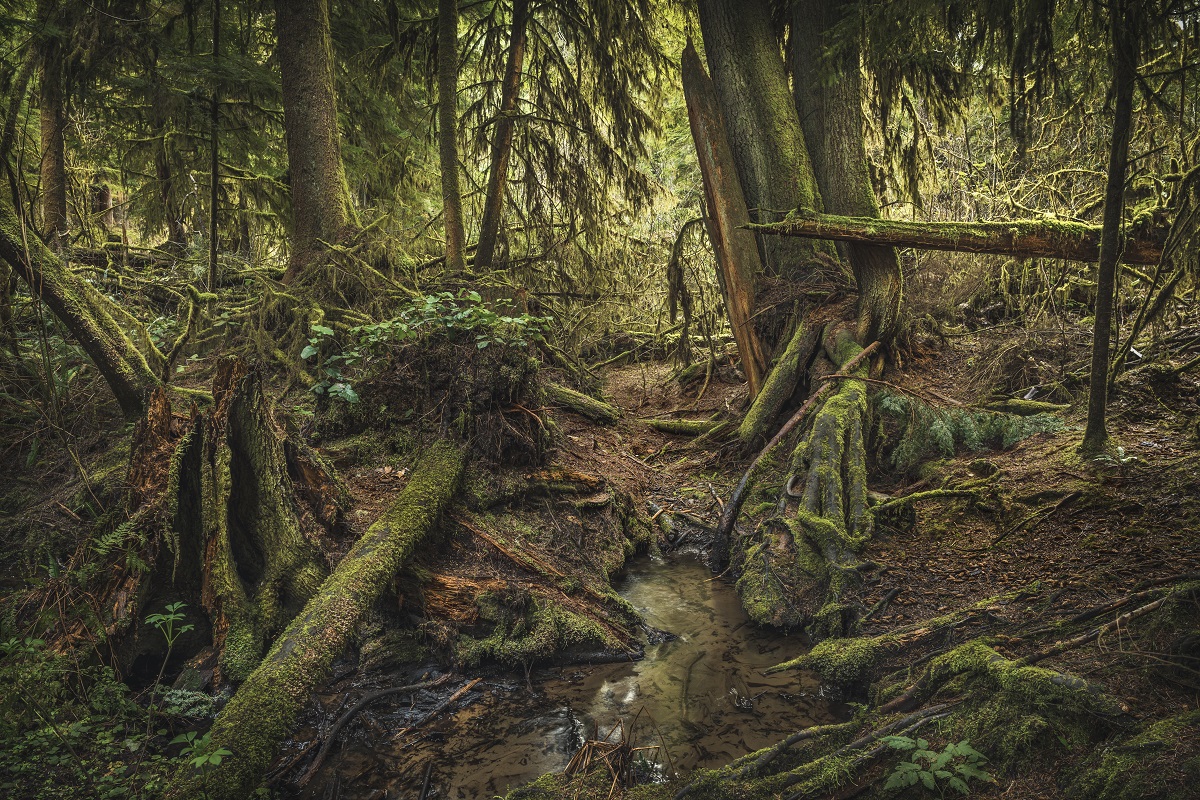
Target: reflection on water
x=704, y=690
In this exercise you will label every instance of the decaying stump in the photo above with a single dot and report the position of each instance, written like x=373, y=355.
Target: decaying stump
x=241, y=542
x=263, y=711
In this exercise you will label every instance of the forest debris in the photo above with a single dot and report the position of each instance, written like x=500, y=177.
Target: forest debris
x=442, y=706
x=344, y=719
x=262, y=712
x=1026, y=408
x=683, y=427
x=583, y=405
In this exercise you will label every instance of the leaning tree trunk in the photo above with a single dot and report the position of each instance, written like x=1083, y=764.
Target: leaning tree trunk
x=735, y=248
x=452, y=213
x=1124, y=56
x=493, y=201
x=321, y=208
x=773, y=163
x=85, y=312
x=830, y=108
x=263, y=712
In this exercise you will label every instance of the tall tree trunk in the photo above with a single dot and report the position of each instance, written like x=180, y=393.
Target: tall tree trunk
x=320, y=198
x=829, y=101
x=452, y=213
x=53, y=117
x=83, y=310
x=1124, y=57
x=773, y=163
x=214, y=169
x=735, y=248
x=493, y=203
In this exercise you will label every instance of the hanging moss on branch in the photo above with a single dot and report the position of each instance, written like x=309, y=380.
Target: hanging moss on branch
x=263, y=711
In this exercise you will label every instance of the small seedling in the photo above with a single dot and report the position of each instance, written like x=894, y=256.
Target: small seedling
x=954, y=768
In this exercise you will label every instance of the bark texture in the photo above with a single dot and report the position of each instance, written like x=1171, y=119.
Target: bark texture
x=828, y=90
x=493, y=202
x=263, y=711
x=735, y=248
x=320, y=199
x=1124, y=57
x=53, y=120
x=452, y=213
x=768, y=145
x=1072, y=241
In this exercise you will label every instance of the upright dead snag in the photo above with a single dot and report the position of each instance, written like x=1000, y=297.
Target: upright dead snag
x=735, y=248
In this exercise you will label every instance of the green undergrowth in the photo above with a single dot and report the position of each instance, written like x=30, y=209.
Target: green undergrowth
x=914, y=431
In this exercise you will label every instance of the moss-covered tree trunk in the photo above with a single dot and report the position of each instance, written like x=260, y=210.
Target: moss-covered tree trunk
x=82, y=309
x=735, y=248
x=493, y=201
x=260, y=568
x=321, y=208
x=828, y=90
x=772, y=161
x=452, y=212
x=53, y=120
x=1022, y=238
x=263, y=711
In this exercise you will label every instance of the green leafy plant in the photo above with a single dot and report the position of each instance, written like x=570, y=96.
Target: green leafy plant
x=953, y=768
x=198, y=750
x=463, y=317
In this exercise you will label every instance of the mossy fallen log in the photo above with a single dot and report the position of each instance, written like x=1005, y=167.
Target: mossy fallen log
x=1032, y=238
x=581, y=404
x=263, y=711
x=1026, y=408
x=683, y=427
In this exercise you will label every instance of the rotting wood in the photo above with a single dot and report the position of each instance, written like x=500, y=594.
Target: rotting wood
x=1073, y=241
x=262, y=713
x=583, y=405
x=735, y=248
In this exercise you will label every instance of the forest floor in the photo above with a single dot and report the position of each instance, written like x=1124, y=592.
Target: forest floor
x=1047, y=543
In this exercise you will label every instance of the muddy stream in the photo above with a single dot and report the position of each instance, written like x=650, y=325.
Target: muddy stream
x=703, y=688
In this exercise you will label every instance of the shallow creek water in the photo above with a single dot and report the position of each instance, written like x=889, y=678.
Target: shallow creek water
x=704, y=689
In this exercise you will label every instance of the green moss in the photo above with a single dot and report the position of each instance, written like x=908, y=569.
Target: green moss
x=529, y=629
x=262, y=712
x=1162, y=761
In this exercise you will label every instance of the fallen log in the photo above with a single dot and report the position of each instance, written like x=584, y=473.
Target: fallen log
x=1072, y=241
x=262, y=713
x=595, y=410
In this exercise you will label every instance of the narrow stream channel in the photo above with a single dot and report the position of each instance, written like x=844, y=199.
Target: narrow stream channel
x=704, y=689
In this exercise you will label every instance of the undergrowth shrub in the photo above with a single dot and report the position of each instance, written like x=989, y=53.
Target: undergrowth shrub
x=913, y=431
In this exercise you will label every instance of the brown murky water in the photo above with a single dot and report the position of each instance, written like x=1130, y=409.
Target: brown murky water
x=704, y=690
